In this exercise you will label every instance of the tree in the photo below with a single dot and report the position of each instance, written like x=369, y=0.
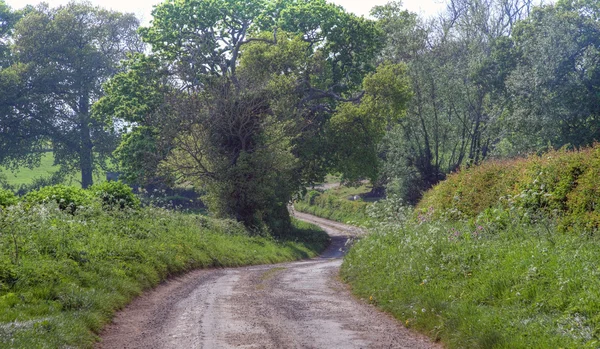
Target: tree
x=556, y=80
x=358, y=128
x=8, y=18
x=457, y=83
x=64, y=55
x=246, y=88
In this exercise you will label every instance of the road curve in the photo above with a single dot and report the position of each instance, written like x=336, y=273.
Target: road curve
x=291, y=305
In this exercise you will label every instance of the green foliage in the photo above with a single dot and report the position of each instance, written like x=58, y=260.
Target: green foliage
x=357, y=129
x=115, y=195
x=7, y=198
x=65, y=53
x=235, y=98
x=480, y=286
x=559, y=184
x=63, y=275
x=553, y=87
x=67, y=198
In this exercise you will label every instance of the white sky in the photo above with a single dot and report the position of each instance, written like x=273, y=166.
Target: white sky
x=142, y=8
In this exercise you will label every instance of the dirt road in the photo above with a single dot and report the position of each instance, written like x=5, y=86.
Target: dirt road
x=292, y=305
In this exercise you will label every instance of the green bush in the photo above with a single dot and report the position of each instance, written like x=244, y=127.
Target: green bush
x=67, y=198
x=115, y=195
x=7, y=198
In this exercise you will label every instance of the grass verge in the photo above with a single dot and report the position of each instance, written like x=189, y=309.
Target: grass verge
x=62, y=275
x=495, y=285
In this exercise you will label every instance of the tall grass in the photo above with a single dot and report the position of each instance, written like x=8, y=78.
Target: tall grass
x=62, y=274
x=509, y=285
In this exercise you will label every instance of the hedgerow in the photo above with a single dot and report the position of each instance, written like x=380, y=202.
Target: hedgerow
x=333, y=207
x=563, y=185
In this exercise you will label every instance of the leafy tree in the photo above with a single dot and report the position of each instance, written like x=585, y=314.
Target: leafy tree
x=64, y=55
x=237, y=94
x=457, y=83
x=358, y=128
x=8, y=18
x=556, y=80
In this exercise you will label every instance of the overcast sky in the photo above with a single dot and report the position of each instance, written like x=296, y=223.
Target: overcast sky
x=142, y=8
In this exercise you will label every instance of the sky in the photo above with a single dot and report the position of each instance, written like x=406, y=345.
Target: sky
x=142, y=8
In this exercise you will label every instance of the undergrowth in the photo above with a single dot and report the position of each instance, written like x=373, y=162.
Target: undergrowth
x=64, y=273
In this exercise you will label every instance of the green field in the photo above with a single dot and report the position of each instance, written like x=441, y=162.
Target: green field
x=25, y=176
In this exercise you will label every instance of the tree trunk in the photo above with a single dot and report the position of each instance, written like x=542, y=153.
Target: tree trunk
x=85, y=151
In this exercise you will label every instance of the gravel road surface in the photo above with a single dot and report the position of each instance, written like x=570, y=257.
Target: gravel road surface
x=292, y=305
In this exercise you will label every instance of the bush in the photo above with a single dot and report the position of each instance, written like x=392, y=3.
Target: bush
x=115, y=195
x=68, y=198
x=7, y=198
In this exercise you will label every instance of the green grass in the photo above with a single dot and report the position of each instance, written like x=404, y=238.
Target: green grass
x=333, y=207
x=345, y=193
x=62, y=275
x=25, y=176
x=336, y=203
x=482, y=287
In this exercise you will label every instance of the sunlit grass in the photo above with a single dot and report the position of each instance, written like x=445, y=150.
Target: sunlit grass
x=63, y=275
x=25, y=175
x=517, y=288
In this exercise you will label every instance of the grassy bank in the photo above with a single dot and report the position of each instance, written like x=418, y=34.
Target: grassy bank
x=335, y=204
x=472, y=287
x=63, y=275
x=563, y=185
x=504, y=255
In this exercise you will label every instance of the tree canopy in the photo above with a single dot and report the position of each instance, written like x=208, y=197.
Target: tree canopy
x=238, y=97
x=251, y=101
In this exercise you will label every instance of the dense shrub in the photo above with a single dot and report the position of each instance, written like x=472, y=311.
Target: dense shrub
x=564, y=185
x=7, y=198
x=67, y=198
x=115, y=195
